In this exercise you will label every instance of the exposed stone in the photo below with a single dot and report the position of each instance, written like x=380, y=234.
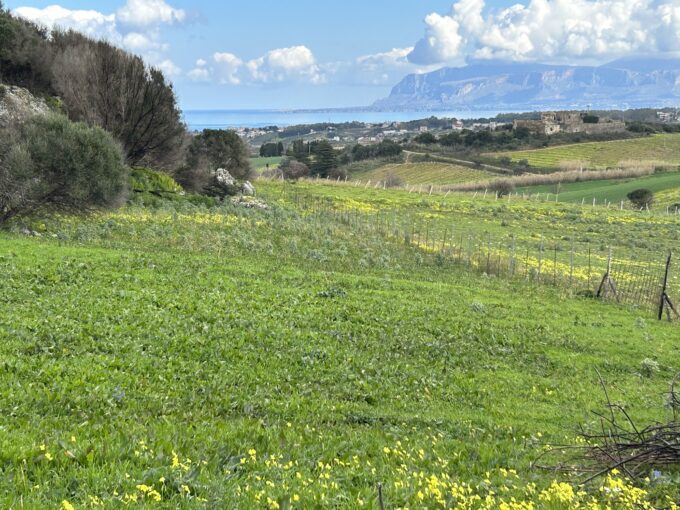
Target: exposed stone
x=224, y=178
x=248, y=189
x=249, y=202
x=17, y=104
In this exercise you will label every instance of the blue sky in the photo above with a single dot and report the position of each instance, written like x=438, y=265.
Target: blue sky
x=260, y=54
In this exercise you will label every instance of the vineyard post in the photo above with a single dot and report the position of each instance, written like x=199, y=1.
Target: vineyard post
x=590, y=267
x=666, y=302
x=540, y=260
x=571, y=266
x=526, y=264
x=488, y=255
x=512, y=258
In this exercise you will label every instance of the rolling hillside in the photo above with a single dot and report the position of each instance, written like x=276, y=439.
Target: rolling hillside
x=657, y=148
x=423, y=173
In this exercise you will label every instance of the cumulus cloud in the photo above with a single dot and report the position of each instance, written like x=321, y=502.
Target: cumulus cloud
x=229, y=67
x=296, y=63
x=144, y=13
x=89, y=22
x=135, y=26
x=550, y=30
x=169, y=68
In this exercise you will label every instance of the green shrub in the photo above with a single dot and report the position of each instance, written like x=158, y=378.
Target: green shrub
x=50, y=162
x=150, y=181
x=641, y=198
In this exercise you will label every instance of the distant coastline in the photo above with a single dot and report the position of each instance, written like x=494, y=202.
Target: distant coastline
x=198, y=120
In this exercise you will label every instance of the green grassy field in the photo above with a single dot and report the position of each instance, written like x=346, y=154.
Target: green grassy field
x=423, y=173
x=191, y=358
x=609, y=190
x=657, y=148
x=260, y=164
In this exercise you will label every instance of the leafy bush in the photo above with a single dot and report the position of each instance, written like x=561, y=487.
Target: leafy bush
x=214, y=149
x=150, y=181
x=641, y=198
x=293, y=170
x=50, y=162
x=392, y=180
x=503, y=187
x=425, y=139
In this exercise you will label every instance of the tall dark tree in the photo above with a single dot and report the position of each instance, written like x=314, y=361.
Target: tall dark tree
x=24, y=54
x=221, y=149
x=325, y=159
x=301, y=151
x=107, y=87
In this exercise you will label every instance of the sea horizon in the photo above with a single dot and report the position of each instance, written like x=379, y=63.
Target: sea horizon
x=200, y=119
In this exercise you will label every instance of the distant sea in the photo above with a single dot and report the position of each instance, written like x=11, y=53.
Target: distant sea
x=197, y=120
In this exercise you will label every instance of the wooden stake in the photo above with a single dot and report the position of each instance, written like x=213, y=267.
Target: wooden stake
x=666, y=303
x=607, y=284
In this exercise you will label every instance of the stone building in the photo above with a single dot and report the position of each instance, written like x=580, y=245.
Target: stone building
x=570, y=122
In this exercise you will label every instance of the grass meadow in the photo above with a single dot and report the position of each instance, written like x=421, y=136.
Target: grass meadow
x=611, y=190
x=184, y=357
x=260, y=164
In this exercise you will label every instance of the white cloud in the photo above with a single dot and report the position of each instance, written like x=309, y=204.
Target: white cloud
x=378, y=69
x=229, y=68
x=169, y=68
x=118, y=28
x=144, y=13
x=550, y=30
x=296, y=63
x=201, y=63
x=200, y=74
x=138, y=42
x=89, y=22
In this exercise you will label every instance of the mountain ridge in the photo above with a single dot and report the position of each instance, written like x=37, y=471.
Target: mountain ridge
x=628, y=82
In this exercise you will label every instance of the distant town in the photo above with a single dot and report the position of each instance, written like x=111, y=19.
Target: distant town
x=340, y=135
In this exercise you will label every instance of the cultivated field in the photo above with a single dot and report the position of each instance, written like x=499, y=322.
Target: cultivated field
x=657, y=148
x=610, y=190
x=185, y=357
x=423, y=173
x=260, y=164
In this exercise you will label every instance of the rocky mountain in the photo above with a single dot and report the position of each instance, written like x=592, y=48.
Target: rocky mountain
x=631, y=82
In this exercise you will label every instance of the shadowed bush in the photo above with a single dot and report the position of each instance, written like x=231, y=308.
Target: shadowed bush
x=50, y=162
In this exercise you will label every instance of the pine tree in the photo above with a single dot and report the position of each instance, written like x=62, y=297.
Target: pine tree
x=326, y=159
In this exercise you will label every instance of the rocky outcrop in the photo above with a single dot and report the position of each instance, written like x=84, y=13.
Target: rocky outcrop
x=17, y=104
